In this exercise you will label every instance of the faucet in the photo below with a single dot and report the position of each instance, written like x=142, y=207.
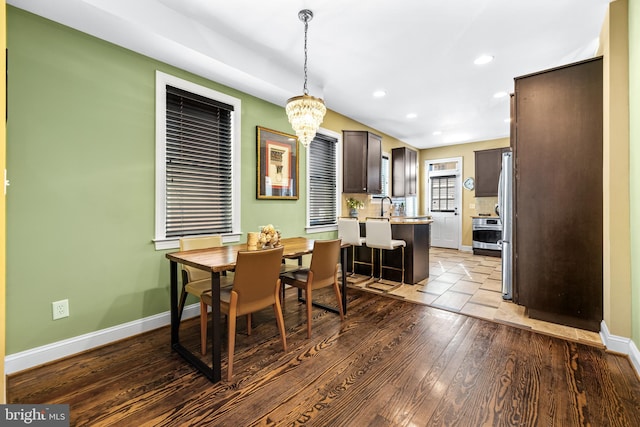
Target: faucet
x=382, y=204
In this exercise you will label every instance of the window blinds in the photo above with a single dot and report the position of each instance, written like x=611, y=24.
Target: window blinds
x=198, y=163
x=322, y=181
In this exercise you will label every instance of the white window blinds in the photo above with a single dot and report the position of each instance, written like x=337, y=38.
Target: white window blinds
x=322, y=181
x=198, y=164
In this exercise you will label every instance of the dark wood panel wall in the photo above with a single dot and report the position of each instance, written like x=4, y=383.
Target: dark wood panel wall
x=558, y=194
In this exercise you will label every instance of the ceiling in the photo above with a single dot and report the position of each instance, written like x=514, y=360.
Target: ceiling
x=421, y=53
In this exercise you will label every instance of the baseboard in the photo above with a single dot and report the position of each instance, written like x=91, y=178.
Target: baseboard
x=48, y=353
x=466, y=248
x=620, y=345
x=634, y=355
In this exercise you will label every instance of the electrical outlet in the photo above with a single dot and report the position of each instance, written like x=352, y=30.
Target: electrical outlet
x=60, y=309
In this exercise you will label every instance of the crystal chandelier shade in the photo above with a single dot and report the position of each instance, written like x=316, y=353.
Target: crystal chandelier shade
x=305, y=112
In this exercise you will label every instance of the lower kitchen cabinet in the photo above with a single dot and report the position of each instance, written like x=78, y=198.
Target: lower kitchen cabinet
x=416, y=254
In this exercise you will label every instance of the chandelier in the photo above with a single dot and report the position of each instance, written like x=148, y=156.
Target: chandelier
x=305, y=112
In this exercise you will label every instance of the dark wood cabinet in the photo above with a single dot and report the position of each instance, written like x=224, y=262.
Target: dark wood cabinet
x=403, y=172
x=488, y=165
x=362, y=162
x=558, y=240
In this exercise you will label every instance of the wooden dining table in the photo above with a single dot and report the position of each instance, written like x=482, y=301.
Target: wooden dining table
x=218, y=260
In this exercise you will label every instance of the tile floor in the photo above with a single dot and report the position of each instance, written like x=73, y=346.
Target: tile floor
x=472, y=285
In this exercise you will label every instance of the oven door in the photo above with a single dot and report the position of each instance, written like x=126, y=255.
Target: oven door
x=487, y=237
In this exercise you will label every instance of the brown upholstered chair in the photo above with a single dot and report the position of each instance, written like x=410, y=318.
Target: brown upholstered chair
x=255, y=286
x=195, y=281
x=322, y=272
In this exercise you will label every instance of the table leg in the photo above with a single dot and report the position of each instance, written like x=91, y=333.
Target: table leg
x=214, y=327
x=212, y=372
x=175, y=321
x=344, y=278
x=299, y=290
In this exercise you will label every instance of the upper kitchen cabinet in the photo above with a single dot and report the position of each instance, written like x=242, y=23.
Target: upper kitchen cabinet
x=404, y=165
x=362, y=162
x=488, y=166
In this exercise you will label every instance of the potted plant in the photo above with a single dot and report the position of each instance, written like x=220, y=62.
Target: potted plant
x=354, y=205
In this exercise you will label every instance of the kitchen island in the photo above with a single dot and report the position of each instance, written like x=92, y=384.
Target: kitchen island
x=416, y=232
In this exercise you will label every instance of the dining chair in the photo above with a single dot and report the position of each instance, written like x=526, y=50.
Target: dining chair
x=349, y=233
x=195, y=281
x=322, y=272
x=256, y=285
x=378, y=231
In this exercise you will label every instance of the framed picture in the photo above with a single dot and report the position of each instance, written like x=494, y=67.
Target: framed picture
x=277, y=165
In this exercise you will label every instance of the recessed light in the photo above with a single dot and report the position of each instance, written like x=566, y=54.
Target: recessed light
x=483, y=59
x=412, y=116
x=500, y=94
x=379, y=94
x=437, y=132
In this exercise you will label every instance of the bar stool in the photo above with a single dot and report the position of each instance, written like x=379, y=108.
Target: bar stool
x=379, y=237
x=349, y=232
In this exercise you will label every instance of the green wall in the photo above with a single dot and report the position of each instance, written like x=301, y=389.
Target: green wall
x=81, y=161
x=634, y=155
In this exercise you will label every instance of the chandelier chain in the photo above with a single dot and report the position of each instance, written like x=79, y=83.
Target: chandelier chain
x=306, y=27
x=305, y=113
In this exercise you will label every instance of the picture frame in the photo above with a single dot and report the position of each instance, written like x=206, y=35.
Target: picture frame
x=277, y=171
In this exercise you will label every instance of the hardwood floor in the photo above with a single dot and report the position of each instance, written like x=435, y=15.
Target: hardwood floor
x=391, y=363
x=472, y=284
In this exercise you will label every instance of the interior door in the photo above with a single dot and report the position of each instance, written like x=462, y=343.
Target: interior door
x=443, y=184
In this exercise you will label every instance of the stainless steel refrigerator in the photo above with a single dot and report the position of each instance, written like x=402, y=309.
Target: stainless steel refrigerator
x=505, y=210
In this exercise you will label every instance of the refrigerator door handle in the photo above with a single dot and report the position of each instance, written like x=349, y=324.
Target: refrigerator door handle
x=499, y=207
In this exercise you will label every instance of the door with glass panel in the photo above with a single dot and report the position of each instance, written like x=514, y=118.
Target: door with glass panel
x=443, y=184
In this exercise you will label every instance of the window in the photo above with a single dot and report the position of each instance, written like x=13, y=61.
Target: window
x=443, y=197
x=196, y=162
x=385, y=173
x=323, y=178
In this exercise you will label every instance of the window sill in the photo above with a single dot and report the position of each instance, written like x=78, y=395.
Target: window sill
x=174, y=243
x=321, y=228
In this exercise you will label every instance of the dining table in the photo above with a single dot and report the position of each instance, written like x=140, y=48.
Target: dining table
x=218, y=260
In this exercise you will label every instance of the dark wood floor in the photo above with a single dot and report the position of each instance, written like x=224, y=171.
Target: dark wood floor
x=391, y=363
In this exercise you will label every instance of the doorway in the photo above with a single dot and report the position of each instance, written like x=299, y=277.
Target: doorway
x=444, y=201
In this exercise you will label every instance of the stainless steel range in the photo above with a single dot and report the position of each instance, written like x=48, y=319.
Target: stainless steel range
x=487, y=234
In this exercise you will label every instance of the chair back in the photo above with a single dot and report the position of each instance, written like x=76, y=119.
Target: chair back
x=378, y=233
x=324, y=261
x=349, y=231
x=256, y=277
x=193, y=243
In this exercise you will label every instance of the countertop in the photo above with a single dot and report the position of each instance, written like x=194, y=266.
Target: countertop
x=406, y=219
